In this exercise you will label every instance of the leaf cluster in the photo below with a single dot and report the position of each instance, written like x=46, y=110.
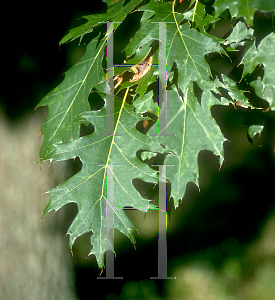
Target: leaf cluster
x=202, y=53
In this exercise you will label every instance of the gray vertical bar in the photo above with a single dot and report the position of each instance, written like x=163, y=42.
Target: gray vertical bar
x=110, y=268
x=109, y=170
x=110, y=224
x=162, y=80
x=109, y=82
x=162, y=223
x=162, y=244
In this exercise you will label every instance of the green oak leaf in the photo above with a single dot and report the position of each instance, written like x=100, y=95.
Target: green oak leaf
x=88, y=187
x=70, y=98
x=190, y=128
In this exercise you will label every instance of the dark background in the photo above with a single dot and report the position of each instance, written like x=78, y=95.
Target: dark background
x=32, y=62
x=218, y=223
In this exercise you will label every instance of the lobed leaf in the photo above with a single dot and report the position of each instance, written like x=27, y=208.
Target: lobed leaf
x=70, y=98
x=190, y=126
x=88, y=187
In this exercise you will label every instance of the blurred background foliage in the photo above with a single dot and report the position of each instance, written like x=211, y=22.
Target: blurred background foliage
x=221, y=239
